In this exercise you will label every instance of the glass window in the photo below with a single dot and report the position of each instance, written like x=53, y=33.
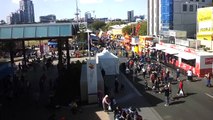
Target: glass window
x=17, y=32
x=41, y=31
x=191, y=0
x=184, y=7
x=53, y=31
x=189, y=62
x=5, y=33
x=191, y=8
x=29, y=32
x=203, y=0
x=65, y=30
x=197, y=0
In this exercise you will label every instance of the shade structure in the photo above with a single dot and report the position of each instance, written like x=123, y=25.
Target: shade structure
x=186, y=56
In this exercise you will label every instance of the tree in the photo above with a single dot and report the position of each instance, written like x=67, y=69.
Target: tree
x=143, y=28
x=127, y=30
x=97, y=25
x=2, y=22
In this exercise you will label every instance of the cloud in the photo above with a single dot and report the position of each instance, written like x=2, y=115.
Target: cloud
x=15, y=1
x=90, y=1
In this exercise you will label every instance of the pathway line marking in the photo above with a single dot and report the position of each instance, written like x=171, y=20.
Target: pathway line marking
x=209, y=95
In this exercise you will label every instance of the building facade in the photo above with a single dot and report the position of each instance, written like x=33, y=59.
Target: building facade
x=153, y=17
x=130, y=16
x=47, y=18
x=88, y=16
x=165, y=15
x=24, y=15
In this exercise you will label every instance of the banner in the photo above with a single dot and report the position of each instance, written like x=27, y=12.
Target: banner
x=92, y=77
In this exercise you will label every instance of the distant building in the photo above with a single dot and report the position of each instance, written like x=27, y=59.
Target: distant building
x=130, y=16
x=88, y=16
x=47, y=18
x=165, y=15
x=24, y=15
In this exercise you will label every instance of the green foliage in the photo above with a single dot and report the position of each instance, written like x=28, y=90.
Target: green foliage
x=97, y=25
x=127, y=30
x=143, y=28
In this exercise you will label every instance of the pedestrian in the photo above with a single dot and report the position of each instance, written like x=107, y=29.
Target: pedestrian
x=180, y=89
x=106, y=103
x=177, y=74
x=144, y=73
x=189, y=75
x=208, y=80
x=166, y=93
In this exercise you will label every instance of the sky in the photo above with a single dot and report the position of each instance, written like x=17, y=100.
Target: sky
x=65, y=9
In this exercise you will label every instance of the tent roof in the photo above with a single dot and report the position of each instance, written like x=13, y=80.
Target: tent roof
x=106, y=54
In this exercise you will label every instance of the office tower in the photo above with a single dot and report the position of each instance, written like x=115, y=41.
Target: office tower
x=88, y=16
x=165, y=15
x=130, y=16
x=47, y=18
x=153, y=17
x=28, y=11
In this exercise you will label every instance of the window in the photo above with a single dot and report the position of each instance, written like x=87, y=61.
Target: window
x=189, y=62
x=191, y=8
x=197, y=0
x=184, y=7
x=203, y=0
x=191, y=0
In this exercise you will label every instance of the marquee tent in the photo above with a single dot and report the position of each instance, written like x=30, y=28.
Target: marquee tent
x=108, y=61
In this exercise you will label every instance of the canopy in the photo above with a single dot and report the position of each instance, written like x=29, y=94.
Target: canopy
x=108, y=61
x=186, y=56
x=171, y=51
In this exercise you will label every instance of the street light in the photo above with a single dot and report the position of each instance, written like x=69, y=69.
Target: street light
x=197, y=6
x=88, y=40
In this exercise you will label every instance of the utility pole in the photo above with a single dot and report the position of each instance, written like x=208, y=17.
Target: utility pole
x=77, y=10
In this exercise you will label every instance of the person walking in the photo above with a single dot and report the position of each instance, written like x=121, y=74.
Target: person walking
x=208, y=80
x=106, y=103
x=189, y=75
x=166, y=93
x=177, y=74
x=180, y=89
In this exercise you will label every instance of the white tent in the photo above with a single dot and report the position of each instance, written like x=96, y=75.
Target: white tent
x=108, y=61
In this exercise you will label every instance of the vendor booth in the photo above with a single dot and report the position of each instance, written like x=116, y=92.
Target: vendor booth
x=108, y=61
x=144, y=42
x=199, y=62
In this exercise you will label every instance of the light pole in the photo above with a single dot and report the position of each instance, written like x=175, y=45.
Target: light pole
x=88, y=40
x=197, y=6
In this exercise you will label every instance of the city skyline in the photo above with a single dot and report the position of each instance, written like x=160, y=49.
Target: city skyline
x=66, y=9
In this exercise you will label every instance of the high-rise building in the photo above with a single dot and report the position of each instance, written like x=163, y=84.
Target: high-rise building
x=153, y=17
x=130, y=16
x=24, y=15
x=88, y=16
x=47, y=18
x=165, y=15
x=28, y=11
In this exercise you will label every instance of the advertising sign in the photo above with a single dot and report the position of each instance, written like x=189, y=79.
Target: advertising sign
x=208, y=61
x=205, y=22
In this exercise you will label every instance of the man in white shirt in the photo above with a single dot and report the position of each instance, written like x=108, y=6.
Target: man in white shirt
x=189, y=75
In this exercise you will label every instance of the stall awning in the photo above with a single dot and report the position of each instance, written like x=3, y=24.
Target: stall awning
x=159, y=48
x=171, y=51
x=186, y=56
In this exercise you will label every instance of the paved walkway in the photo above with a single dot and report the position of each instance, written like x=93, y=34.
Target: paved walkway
x=26, y=108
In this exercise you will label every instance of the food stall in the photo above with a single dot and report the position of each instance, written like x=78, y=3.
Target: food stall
x=144, y=42
x=199, y=62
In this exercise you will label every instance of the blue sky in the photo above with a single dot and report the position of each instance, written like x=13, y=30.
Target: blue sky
x=66, y=8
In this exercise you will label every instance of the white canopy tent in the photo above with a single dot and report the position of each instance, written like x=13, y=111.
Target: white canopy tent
x=108, y=61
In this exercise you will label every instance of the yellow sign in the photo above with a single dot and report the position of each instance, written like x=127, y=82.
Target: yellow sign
x=204, y=14
x=205, y=23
